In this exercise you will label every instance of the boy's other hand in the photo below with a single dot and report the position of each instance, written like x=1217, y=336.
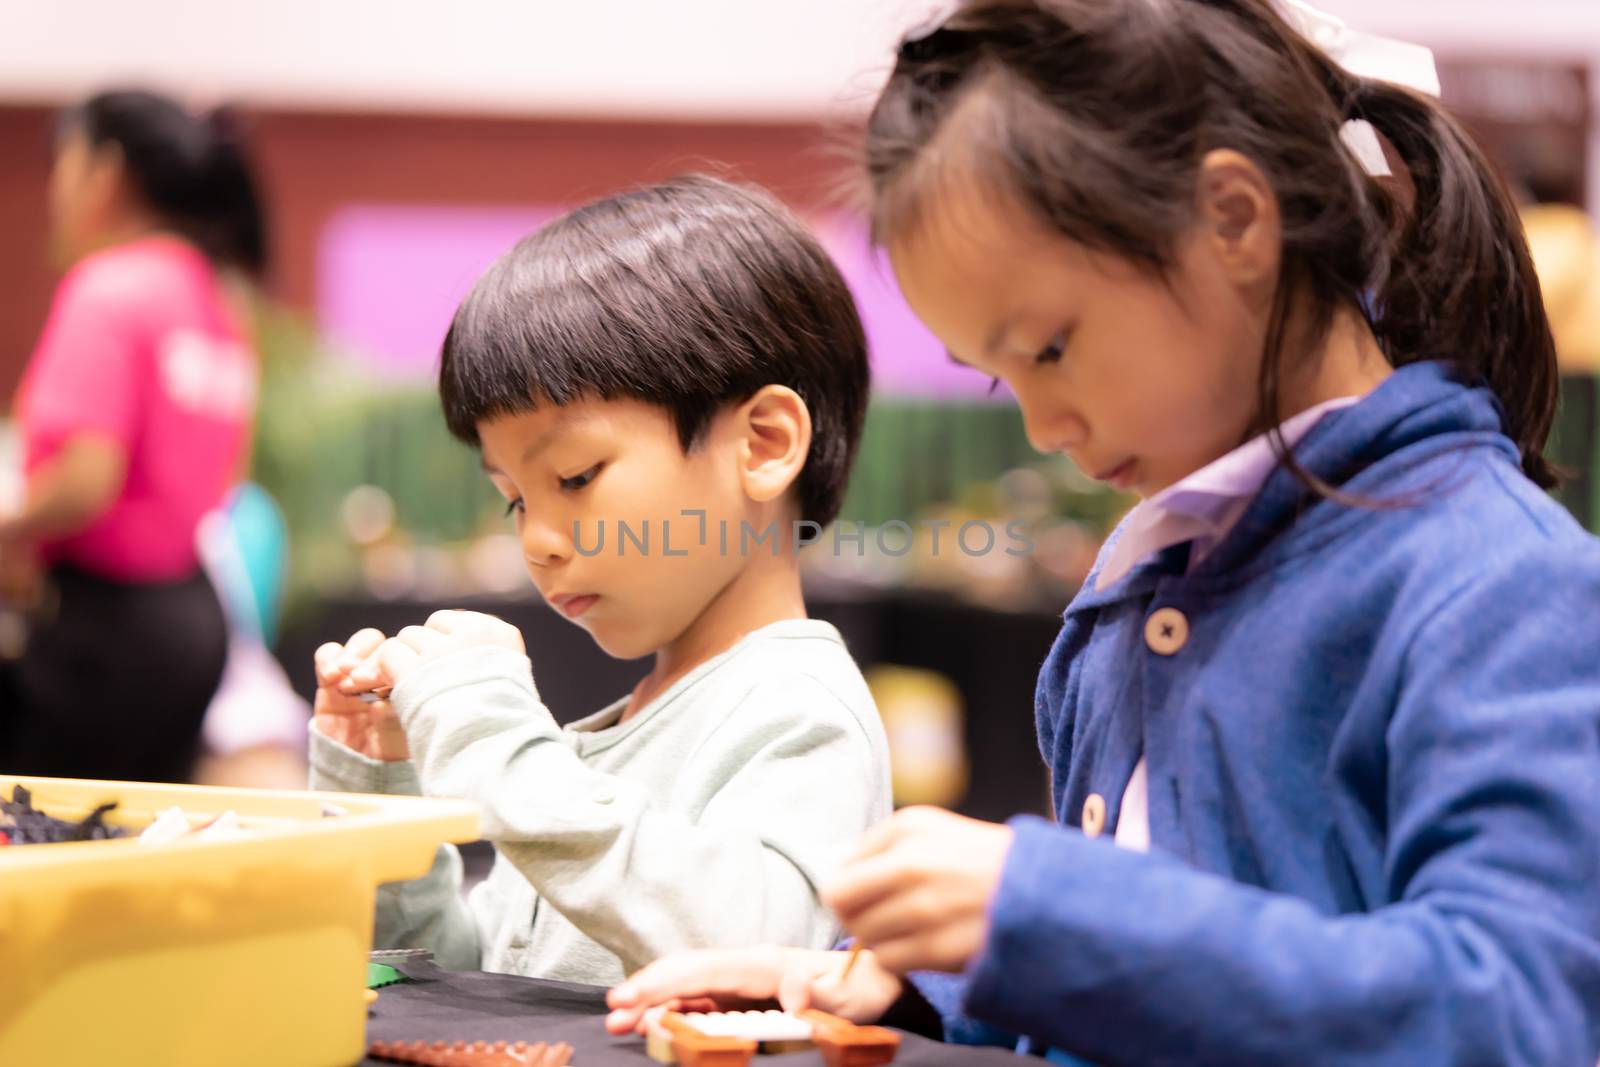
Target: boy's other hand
x=446, y=632
x=731, y=979
x=371, y=729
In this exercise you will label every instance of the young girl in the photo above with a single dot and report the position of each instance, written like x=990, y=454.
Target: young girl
x=1324, y=724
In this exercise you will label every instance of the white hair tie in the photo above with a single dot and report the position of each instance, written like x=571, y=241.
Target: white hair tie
x=1366, y=55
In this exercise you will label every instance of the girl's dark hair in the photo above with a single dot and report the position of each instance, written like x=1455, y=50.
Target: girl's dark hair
x=190, y=169
x=691, y=295
x=1097, y=113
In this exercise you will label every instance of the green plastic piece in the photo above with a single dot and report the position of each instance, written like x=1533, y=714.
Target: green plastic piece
x=380, y=975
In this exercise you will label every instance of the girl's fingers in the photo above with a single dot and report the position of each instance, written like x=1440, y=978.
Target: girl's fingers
x=864, y=883
x=907, y=914
x=880, y=838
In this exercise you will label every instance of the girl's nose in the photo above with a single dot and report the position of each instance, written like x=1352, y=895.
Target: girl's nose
x=1053, y=431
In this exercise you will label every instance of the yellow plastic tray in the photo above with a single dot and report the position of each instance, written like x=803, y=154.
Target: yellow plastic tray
x=203, y=953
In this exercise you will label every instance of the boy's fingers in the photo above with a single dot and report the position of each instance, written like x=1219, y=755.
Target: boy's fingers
x=419, y=639
x=750, y=973
x=394, y=659
x=449, y=620
x=332, y=701
x=327, y=659
x=371, y=673
x=362, y=644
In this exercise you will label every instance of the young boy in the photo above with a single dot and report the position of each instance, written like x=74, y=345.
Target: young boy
x=662, y=386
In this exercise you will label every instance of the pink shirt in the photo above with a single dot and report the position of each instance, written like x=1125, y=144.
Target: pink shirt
x=141, y=347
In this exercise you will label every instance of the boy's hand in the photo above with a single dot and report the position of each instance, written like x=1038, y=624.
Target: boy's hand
x=729, y=979
x=371, y=729
x=445, y=632
x=918, y=890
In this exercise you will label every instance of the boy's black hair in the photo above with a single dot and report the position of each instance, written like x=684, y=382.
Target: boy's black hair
x=692, y=294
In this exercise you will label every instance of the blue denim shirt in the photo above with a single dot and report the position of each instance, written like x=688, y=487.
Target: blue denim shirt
x=1374, y=766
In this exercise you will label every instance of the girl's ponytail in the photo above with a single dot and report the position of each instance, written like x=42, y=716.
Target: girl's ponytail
x=1460, y=284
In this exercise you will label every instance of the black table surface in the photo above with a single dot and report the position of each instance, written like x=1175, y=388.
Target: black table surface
x=475, y=1006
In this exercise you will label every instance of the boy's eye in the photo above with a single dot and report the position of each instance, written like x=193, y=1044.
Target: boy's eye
x=578, y=481
x=1051, y=352
x=513, y=506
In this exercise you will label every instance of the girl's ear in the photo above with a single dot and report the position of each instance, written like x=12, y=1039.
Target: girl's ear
x=1238, y=213
x=774, y=438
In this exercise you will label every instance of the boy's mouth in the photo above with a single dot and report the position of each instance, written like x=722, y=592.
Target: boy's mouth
x=573, y=604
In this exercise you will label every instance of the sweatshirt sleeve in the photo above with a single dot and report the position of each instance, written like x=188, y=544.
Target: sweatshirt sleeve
x=426, y=912
x=797, y=788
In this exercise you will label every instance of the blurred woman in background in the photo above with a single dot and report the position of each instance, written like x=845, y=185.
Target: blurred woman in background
x=135, y=413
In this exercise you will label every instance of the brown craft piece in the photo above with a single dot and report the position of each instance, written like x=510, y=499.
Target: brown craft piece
x=691, y=1048
x=841, y=1042
x=473, y=1053
x=844, y=1044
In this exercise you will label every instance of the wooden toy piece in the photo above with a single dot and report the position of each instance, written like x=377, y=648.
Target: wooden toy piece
x=473, y=1054
x=772, y=1031
x=675, y=1040
x=844, y=1044
x=715, y=1039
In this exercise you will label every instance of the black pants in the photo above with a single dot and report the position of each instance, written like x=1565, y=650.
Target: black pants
x=114, y=684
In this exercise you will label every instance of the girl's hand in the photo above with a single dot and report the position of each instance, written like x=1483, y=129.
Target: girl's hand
x=370, y=729
x=445, y=632
x=731, y=979
x=917, y=892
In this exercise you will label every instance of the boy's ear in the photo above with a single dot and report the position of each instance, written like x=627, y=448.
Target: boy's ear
x=1236, y=204
x=774, y=437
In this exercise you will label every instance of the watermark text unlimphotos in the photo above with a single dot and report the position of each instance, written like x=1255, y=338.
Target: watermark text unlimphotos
x=896, y=537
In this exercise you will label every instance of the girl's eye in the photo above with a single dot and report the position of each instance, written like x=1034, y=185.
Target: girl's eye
x=578, y=481
x=513, y=507
x=1051, y=352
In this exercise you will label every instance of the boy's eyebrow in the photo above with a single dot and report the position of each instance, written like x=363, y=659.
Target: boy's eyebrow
x=546, y=438
x=543, y=441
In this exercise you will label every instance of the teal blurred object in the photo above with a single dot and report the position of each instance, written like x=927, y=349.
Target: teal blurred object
x=255, y=561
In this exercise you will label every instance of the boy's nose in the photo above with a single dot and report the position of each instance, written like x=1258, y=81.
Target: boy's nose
x=544, y=544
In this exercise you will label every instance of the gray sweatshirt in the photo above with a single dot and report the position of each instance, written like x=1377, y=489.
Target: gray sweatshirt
x=706, y=820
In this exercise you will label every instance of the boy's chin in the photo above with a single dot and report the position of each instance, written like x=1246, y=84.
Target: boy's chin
x=619, y=645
